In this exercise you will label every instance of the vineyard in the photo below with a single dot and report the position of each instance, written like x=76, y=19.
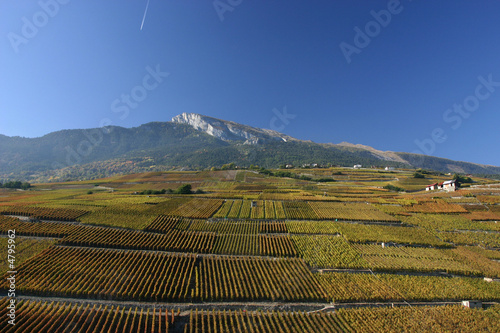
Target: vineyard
x=174, y=240
x=478, y=259
x=135, y=275
x=266, y=322
x=484, y=216
x=485, y=239
x=243, y=209
x=264, y=245
x=38, y=316
x=402, y=319
x=360, y=287
x=436, y=207
x=55, y=214
x=362, y=233
x=313, y=227
x=443, y=222
x=43, y=229
x=121, y=275
x=198, y=208
x=422, y=319
x=251, y=252
x=328, y=252
x=25, y=249
x=165, y=223
x=302, y=210
x=57, y=317
x=349, y=212
x=246, y=279
x=411, y=259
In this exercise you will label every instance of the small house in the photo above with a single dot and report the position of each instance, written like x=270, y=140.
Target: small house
x=431, y=187
x=450, y=185
x=388, y=168
x=357, y=166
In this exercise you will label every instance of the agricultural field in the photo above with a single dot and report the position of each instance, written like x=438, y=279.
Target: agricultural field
x=25, y=249
x=418, y=259
x=251, y=252
x=41, y=316
x=367, y=287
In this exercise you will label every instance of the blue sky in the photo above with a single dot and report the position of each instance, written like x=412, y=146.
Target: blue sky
x=400, y=76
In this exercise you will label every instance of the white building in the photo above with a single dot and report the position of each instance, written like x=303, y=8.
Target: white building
x=431, y=187
x=450, y=185
x=357, y=166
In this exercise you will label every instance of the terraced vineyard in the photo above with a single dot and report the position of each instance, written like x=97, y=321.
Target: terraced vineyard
x=43, y=229
x=59, y=214
x=247, y=279
x=251, y=253
x=411, y=259
x=367, y=287
x=257, y=209
x=268, y=322
x=328, y=252
x=122, y=275
x=59, y=317
x=349, y=212
x=198, y=208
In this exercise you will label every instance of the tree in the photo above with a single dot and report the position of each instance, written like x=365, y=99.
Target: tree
x=393, y=188
x=230, y=166
x=16, y=184
x=462, y=179
x=184, y=189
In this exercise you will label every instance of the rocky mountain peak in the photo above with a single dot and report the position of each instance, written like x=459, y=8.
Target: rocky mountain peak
x=228, y=130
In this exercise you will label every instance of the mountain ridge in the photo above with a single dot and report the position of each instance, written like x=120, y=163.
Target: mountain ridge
x=190, y=141
x=220, y=128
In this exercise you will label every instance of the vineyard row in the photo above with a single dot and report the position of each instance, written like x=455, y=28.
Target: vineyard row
x=44, y=317
x=146, y=276
x=57, y=317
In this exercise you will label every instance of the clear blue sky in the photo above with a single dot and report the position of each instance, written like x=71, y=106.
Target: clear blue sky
x=68, y=65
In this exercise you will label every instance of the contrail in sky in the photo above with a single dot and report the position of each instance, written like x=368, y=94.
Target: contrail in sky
x=145, y=12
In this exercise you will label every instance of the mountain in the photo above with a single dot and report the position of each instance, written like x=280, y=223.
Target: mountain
x=189, y=141
x=230, y=131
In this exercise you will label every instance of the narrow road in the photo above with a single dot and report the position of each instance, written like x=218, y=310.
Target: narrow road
x=247, y=306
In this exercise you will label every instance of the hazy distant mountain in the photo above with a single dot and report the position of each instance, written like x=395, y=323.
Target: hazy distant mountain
x=189, y=141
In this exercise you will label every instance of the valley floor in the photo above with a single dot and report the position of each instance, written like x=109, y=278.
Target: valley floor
x=250, y=252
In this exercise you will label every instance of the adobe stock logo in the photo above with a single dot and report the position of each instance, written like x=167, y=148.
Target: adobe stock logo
x=150, y=82
x=372, y=29
x=223, y=6
x=94, y=137
x=280, y=119
x=456, y=114
x=31, y=27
